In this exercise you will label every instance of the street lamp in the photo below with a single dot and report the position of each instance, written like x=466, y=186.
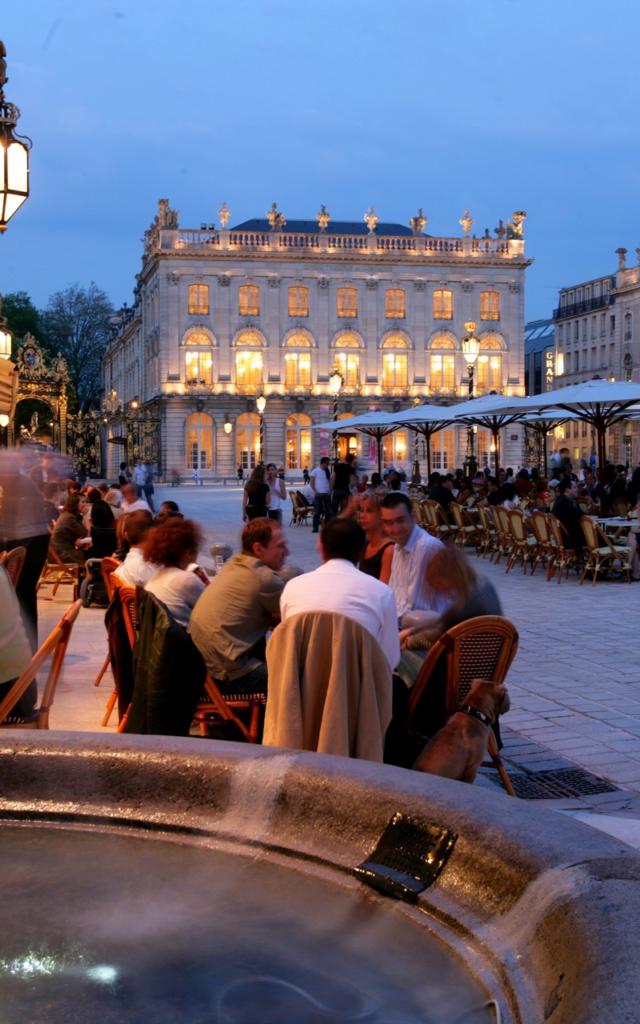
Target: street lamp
x=336, y=382
x=470, y=351
x=14, y=154
x=261, y=404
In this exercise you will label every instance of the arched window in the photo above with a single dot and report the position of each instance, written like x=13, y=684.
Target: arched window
x=347, y=302
x=248, y=440
x=395, y=448
x=395, y=364
x=443, y=304
x=199, y=299
x=489, y=365
x=198, y=360
x=348, y=363
x=249, y=364
x=394, y=303
x=298, y=300
x=249, y=300
x=490, y=305
x=199, y=441
x=349, y=443
x=298, y=441
x=442, y=363
x=297, y=365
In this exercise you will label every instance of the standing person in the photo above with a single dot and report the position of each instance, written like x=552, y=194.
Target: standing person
x=305, y=475
x=256, y=496
x=320, y=485
x=342, y=479
x=277, y=491
x=124, y=476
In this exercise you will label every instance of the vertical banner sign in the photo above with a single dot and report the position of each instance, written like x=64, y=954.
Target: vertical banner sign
x=373, y=449
x=549, y=370
x=325, y=443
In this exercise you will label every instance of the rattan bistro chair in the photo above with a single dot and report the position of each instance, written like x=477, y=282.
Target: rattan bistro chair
x=466, y=531
x=523, y=545
x=562, y=556
x=108, y=566
x=488, y=542
x=544, y=550
x=504, y=540
x=54, y=647
x=215, y=707
x=602, y=552
x=13, y=562
x=58, y=572
x=300, y=513
x=437, y=519
x=480, y=648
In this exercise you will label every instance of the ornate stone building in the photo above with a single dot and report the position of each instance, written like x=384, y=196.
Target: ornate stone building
x=270, y=307
x=597, y=333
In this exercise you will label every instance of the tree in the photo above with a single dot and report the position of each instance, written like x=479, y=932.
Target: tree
x=76, y=324
x=22, y=317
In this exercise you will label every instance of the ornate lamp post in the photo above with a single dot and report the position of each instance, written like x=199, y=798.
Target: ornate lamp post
x=336, y=382
x=470, y=351
x=14, y=154
x=261, y=404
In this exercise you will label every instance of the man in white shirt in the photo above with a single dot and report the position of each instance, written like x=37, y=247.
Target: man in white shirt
x=321, y=487
x=413, y=548
x=134, y=571
x=339, y=586
x=277, y=490
x=131, y=500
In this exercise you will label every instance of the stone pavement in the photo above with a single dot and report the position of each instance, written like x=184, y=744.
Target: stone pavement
x=574, y=685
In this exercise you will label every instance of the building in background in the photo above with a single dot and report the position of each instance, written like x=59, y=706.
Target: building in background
x=597, y=333
x=271, y=308
x=539, y=356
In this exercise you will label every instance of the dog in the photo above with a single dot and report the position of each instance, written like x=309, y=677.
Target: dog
x=459, y=748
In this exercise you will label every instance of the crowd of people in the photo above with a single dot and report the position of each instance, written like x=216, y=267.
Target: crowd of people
x=378, y=567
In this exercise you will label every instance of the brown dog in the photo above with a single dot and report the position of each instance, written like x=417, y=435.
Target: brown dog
x=459, y=748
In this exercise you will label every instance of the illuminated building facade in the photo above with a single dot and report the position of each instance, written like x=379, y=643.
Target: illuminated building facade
x=225, y=314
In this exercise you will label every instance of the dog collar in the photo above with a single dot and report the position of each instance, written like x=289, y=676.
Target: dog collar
x=475, y=713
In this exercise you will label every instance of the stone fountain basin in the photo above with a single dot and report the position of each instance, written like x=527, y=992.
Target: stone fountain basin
x=540, y=912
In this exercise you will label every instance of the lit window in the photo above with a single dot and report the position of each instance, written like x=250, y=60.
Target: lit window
x=489, y=305
x=298, y=301
x=248, y=369
x=248, y=440
x=443, y=304
x=297, y=369
x=443, y=372
x=198, y=368
x=394, y=303
x=199, y=441
x=197, y=338
x=298, y=441
x=347, y=302
x=559, y=364
x=489, y=372
x=249, y=300
x=199, y=299
x=395, y=370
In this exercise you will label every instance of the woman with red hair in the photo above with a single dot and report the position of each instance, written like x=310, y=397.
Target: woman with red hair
x=173, y=547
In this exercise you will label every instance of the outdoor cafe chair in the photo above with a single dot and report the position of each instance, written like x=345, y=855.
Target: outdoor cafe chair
x=523, y=545
x=215, y=707
x=440, y=527
x=487, y=542
x=602, y=552
x=13, y=562
x=562, y=556
x=107, y=567
x=419, y=513
x=503, y=533
x=54, y=648
x=480, y=648
x=300, y=513
x=58, y=572
x=541, y=532
x=466, y=531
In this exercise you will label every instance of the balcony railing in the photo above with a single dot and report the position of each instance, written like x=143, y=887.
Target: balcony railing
x=577, y=308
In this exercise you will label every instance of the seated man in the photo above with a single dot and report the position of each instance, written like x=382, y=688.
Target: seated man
x=134, y=571
x=339, y=586
x=233, y=614
x=131, y=500
x=565, y=508
x=413, y=548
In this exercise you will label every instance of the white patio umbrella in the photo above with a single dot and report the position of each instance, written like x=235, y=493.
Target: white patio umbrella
x=542, y=423
x=374, y=424
x=601, y=403
x=493, y=412
x=426, y=420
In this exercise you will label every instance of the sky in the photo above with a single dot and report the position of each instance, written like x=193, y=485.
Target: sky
x=486, y=105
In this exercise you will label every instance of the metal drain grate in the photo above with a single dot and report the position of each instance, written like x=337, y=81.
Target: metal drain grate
x=409, y=856
x=554, y=785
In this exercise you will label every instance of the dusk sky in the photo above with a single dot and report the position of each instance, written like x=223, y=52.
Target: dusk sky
x=490, y=105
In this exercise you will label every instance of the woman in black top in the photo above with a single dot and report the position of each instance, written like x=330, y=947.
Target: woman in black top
x=256, y=497
x=378, y=553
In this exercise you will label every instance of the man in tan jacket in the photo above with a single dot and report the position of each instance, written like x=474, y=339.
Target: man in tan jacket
x=232, y=616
